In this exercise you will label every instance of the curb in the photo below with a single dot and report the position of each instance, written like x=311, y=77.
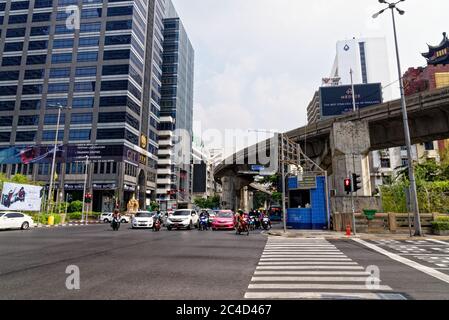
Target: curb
x=69, y=225
x=358, y=236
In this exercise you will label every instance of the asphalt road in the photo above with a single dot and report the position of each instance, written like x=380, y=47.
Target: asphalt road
x=193, y=265
x=129, y=264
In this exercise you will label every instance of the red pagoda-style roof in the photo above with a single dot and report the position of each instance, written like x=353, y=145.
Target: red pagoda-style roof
x=438, y=54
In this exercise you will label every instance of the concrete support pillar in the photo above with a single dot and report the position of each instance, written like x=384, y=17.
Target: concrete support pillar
x=228, y=194
x=350, y=145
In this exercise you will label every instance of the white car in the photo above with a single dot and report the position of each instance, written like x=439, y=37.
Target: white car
x=15, y=220
x=142, y=219
x=185, y=218
x=107, y=218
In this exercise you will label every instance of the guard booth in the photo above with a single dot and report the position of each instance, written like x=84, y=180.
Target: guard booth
x=308, y=203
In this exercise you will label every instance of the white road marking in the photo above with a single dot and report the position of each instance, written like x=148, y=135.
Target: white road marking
x=309, y=279
x=322, y=296
x=311, y=273
x=311, y=263
x=310, y=268
x=439, y=241
x=316, y=286
x=427, y=270
x=305, y=259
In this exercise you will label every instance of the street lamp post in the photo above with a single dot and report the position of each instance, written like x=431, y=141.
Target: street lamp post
x=52, y=174
x=413, y=192
x=84, y=191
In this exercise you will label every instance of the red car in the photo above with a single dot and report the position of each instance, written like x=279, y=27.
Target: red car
x=224, y=220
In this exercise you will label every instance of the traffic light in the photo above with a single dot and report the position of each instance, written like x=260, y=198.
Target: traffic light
x=348, y=187
x=357, y=182
x=88, y=198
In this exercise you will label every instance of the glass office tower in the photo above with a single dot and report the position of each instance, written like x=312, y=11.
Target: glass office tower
x=106, y=72
x=174, y=169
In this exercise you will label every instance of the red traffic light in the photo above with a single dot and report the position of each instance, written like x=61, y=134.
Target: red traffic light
x=348, y=187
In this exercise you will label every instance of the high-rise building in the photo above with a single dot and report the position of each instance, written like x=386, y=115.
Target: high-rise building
x=176, y=126
x=102, y=62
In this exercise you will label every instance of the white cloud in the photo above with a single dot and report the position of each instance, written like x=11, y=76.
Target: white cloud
x=258, y=62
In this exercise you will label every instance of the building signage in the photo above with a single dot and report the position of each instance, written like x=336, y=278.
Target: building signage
x=337, y=100
x=307, y=182
x=76, y=186
x=129, y=188
x=104, y=186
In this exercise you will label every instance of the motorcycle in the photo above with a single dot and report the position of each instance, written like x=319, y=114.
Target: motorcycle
x=204, y=223
x=157, y=224
x=266, y=223
x=252, y=223
x=115, y=224
x=242, y=228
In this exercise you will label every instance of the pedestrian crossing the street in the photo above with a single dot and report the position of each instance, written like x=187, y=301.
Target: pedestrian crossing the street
x=302, y=268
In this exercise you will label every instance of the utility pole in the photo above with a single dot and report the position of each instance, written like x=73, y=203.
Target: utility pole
x=354, y=108
x=284, y=209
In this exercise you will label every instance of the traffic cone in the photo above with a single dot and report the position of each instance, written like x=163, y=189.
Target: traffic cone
x=348, y=230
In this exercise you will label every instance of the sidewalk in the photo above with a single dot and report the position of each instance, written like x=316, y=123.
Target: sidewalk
x=277, y=231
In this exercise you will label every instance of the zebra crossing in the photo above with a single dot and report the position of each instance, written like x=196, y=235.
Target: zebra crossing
x=303, y=268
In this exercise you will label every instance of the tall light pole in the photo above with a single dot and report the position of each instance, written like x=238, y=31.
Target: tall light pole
x=84, y=191
x=413, y=192
x=52, y=174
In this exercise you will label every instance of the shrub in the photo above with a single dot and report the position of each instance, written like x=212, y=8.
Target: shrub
x=43, y=218
x=75, y=206
x=440, y=225
x=77, y=215
x=443, y=219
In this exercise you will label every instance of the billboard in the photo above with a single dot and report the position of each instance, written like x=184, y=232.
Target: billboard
x=199, y=178
x=68, y=153
x=21, y=197
x=337, y=101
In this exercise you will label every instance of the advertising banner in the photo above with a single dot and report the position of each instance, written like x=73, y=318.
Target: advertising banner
x=336, y=101
x=69, y=153
x=21, y=197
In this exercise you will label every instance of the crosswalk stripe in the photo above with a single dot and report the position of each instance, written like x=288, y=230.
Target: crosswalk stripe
x=315, y=286
x=309, y=268
x=311, y=263
x=312, y=269
x=322, y=296
x=305, y=259
x=310, y=279
x=303, y=254
x=311, y=273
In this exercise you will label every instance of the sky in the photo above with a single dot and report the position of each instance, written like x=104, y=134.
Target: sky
x=259, y=62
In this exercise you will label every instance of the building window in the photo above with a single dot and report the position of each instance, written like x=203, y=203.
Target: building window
x=429, y=146
x=60, y=73
x=49, y=135
x=385, y=163
x=78, y=103
x=28, y=121
x=81, y=118
x=80, y=135
x=25, y=136
x=52, y=119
